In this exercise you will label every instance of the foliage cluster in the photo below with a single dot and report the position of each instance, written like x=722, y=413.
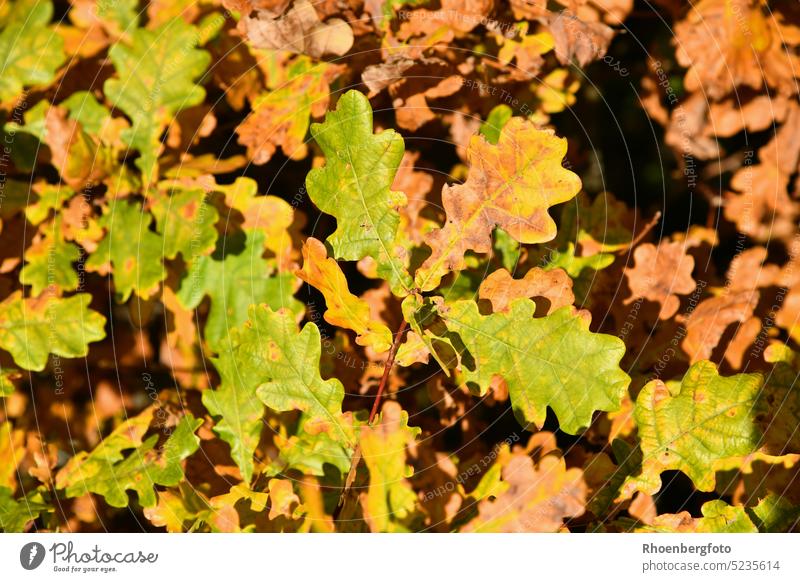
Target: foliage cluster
x=275, y=265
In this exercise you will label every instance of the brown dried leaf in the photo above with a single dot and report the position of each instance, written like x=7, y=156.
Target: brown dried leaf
x=298, y=30
x=576, y=40
x=660, y=274
x=727, y=44
x=708, y=322
x=537, y=498
x=554, y=287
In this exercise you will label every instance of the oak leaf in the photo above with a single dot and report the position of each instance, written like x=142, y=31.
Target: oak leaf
x=48, y=262
x=660, y=274
x=78, y=157
x=550, y=289
x=30, y=329
x=17, y=514
x=130, y=251
x=282, y=498
x=576, y=40
x=235, y=276
x=727, y=44
x=510, y=185
x=269, y=361
x=281, y=117
x=707, y=323
x=718, y=517
x=389, y=502
x=186, y=219
x=704, y=424
x=156, y=75
x=536, y=498
x=552, y=361
x=30, y=51
x=354, y=186
x=343, y=308
x=298, y=30
x=107, y=471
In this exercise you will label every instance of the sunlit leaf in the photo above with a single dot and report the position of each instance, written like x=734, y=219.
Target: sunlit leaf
x=30, y=329
x=552, y=361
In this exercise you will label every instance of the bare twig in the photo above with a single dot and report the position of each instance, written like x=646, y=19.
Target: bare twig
x=356, y=459
x=647, y=228
x=387, y=366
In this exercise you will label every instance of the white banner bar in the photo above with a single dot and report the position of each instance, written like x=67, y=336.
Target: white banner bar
x=390, y=558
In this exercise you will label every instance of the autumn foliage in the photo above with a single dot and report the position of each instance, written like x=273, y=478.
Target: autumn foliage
x=400, y=265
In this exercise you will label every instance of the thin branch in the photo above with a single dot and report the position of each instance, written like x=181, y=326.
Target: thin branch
x=356, y=459
x=387, y=367
x=647, y=228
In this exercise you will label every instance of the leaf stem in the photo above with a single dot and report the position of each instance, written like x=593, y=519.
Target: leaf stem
x=387, y=367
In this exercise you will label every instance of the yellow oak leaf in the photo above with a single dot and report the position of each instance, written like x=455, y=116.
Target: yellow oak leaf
x=343, y=308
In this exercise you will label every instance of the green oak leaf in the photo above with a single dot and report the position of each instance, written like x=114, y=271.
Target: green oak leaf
x=49, y=263
x=290, y=361
x=310, y=454
x=186, y=219
x=30, y=329
x=550, y=361
x=719, y=517
x=49, y=198
x=156, y=75
x=269, y=361
x=240, y=412
x=235, y=277
x=30, y=50
x=131, y=249
x=107, y=471
x=704, y=424
x=355, y=184
x=16, y=514
x=498, y=117
x=84, y=108
x=775, y=514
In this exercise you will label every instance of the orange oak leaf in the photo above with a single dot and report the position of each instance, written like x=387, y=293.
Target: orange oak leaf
x=576, y=40
x=549, y=289
x=537, y=499
x=281, y=117
x=660, y=274
x=727, y=44
x=510, y=185
x=708, y=322
x=79, y=158
x=343, y=308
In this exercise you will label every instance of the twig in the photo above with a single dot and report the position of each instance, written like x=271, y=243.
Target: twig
x=647, y=228
x=387, y=367
x=356, y=459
